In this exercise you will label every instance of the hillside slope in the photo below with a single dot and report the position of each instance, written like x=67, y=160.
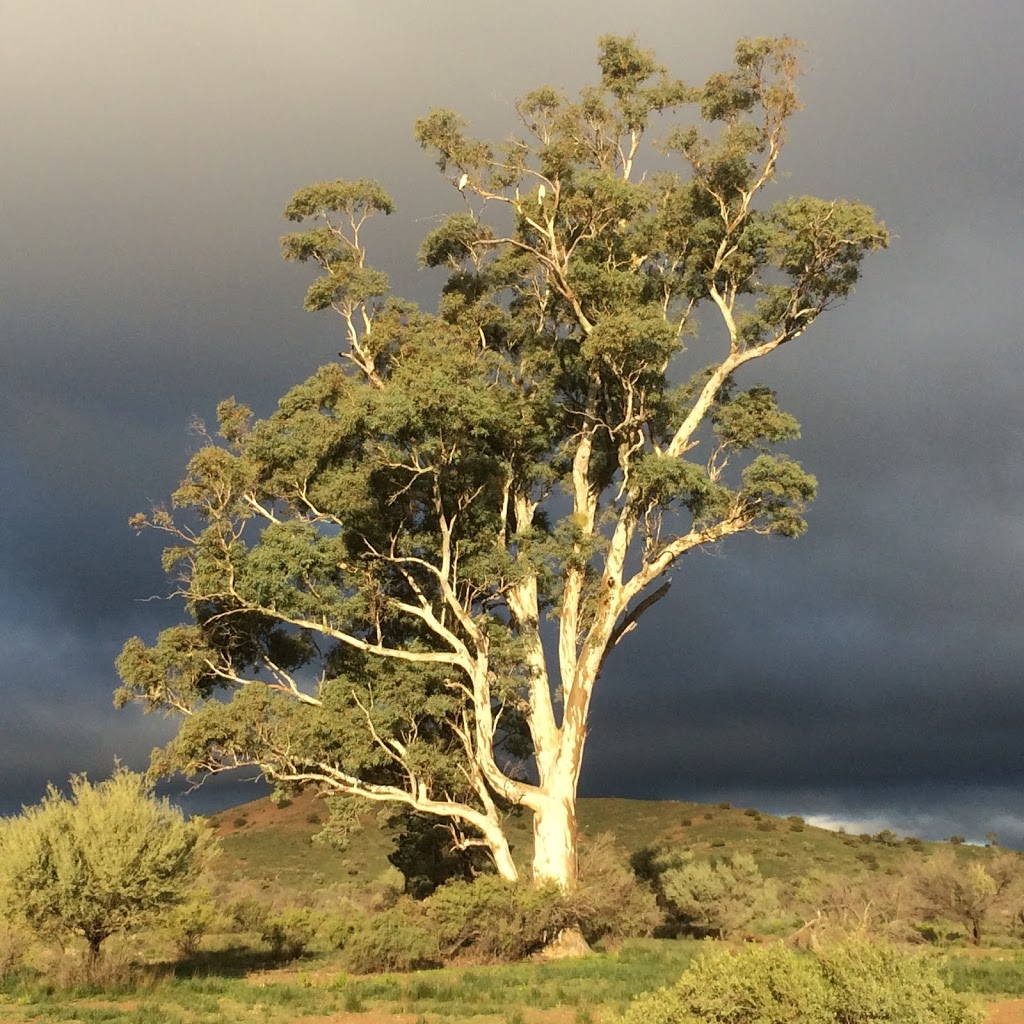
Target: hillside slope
x=275, y=848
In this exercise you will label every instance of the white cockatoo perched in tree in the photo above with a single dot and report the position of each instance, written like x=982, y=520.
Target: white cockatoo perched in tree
x=541, y=193
x=463, y=181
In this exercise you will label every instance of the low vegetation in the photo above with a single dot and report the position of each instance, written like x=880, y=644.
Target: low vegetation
x=856, y=982
x=292, y=919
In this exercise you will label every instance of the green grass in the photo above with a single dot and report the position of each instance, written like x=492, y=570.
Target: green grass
x=585, y=991
x=997, y=975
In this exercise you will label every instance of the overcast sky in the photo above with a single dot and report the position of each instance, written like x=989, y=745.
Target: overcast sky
x=868, y=674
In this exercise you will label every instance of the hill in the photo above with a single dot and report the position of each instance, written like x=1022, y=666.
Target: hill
x=275, y=847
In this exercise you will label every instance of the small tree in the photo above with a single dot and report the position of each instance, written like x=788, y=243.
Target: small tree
x=967, y=891
x=369, y=569
x=718, y=897
x=108, y=858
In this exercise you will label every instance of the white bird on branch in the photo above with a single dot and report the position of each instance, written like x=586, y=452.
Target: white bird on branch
x=463, y=181
x=541, y=193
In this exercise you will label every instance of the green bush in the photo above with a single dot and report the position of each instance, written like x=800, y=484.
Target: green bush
x=717, y=898
x=336, y=929
x=610, y=903
x=397, y=939
x=189, y=922
x=289, y=933
x=490, y=920
x=873, y=981
x=248, y=914
x=759, y=985
x=108, y=858
x=853, y=983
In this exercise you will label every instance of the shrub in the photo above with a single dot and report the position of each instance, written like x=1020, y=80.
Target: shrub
x=610, y=903
x=873, y=981
x=766, y=826
x=189, y=922
x=759, y=985
x=386, y=888
x=114, y=973
x=14, y=945
x=490, y=920
x=724, y=805
x=717, y=898
x=752, y=812
x=853, y=983
x=248, y=914
x=289, y=933
x=241, y=821
x=337, y=929
x=108, y=858
x=398, y=939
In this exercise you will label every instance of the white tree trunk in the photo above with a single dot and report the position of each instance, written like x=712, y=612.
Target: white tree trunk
x=554, y=834
x=502, y=855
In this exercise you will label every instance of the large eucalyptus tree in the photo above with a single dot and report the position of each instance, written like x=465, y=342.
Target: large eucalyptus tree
x=404, y=583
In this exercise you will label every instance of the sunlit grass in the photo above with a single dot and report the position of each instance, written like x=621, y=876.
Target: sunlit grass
x=591, y=990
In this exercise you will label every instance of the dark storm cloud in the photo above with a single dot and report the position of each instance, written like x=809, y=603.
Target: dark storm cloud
x=869, y=673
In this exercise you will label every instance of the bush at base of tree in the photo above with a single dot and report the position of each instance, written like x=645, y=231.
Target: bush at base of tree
x=853, y=983
x=490, y=920
x=611, y=903
x=14, y=944
x=397, y=939
x=108, y=858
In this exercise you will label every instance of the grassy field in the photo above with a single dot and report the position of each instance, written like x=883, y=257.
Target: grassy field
x=593, y=990
x=578, y=991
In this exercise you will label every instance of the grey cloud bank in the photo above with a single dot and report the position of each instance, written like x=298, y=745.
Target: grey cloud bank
x=869, y=672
